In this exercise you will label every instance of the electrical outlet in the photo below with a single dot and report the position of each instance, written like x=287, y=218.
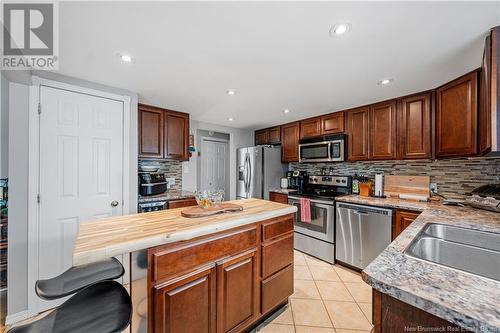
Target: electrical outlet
x=170, y=182
x=433, y=187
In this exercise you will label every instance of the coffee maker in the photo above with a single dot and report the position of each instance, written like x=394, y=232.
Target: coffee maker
x=297, y=180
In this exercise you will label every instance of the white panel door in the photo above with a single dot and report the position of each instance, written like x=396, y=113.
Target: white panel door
x=81, y=161
x=214, y=165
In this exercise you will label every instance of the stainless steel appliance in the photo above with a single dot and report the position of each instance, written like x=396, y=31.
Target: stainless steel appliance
x=317, y=237
x=152, y=183
x=259, y=170
x=151, y=206
x=362, y=233
x=139, y=291
x=322, y=149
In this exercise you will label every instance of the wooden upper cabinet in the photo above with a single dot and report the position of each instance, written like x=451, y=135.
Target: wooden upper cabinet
x=333, y=123
x=485, y=96
x=456, y=117
x=237, y=285
x=383, y=131
x=177, y=135
x=274, y=135
x=178, y=301
x=163, y=134
x=415, y=127
x=151, y=132
x=290, y=142
x=310, y=127
x=268, y=136
x=261, y=137
x=357, y=133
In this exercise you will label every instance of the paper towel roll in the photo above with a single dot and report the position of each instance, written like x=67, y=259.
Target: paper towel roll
x=379, y=185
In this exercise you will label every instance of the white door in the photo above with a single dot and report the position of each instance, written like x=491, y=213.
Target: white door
x=214, y=165
x=81, y=170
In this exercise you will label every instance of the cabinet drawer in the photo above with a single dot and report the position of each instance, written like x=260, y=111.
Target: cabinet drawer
x=276, y=289
x=277, y=254
x=170, y=260
x=276, y=227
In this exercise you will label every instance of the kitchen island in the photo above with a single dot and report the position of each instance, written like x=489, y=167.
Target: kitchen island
x=221, y=273
x=411, y=294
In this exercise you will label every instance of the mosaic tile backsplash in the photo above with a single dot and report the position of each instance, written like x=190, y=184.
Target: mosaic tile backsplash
x=171, y=169
x=454, y=177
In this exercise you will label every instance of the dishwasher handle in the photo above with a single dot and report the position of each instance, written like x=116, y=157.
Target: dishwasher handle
x=365, y=210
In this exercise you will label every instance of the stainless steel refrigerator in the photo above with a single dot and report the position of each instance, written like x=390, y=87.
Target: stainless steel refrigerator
x=259, y=169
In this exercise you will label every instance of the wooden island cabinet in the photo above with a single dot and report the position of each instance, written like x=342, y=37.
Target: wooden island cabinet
x=224, y=282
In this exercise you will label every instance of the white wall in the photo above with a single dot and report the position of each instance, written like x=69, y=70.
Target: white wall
x=238, y=138
x=17, y=296
x=17, y=269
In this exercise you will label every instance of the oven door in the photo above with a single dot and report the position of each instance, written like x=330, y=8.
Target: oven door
x=322, y=219
x=337, y=151
x=315, y=152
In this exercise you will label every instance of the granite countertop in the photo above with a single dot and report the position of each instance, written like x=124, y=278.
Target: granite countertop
x=282, y=190
x=167, y=196
x=104, y=238
x=465, y=299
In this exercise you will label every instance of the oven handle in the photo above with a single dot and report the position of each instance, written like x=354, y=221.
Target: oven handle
x=328, y=203
x=153, y=184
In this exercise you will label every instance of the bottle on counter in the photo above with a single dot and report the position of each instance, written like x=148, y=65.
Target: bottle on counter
x=355, y=184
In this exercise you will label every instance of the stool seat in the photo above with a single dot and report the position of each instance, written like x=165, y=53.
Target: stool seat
x=79, y=277
x=104, y=307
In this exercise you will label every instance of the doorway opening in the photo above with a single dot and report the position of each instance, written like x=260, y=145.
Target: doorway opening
x=213, y=162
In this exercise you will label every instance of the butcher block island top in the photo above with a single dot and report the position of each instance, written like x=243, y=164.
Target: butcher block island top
x=104, y=238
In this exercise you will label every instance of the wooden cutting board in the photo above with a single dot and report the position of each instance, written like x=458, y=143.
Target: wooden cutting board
x=197, y=211
x=407, y=186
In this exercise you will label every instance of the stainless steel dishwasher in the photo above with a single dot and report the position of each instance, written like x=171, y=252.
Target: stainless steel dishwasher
x=361, y=233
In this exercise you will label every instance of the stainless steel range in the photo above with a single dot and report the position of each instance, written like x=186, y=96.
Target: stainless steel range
x=317, y=237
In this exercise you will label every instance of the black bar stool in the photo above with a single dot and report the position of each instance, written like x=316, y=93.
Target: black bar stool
x=100, y=305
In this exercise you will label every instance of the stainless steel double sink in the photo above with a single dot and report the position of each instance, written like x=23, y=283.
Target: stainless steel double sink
x=469, y=250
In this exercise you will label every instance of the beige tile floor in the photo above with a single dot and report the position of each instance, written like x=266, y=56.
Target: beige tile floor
x=327, y=299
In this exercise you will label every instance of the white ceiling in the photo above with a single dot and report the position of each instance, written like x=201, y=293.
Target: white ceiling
x=276, y=55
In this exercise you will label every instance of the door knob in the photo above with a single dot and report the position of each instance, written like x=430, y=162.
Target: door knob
x=114, y=203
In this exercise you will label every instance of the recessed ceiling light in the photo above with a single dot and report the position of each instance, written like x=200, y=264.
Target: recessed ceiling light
x=126, y=58
x=230, y=119
x=339, y=29
x=385, y=82
x=286, y=111
x=231, y=92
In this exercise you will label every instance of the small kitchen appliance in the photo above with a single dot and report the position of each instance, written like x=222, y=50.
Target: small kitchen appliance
x=297, y=180
x=316, y=236
x=152, y=183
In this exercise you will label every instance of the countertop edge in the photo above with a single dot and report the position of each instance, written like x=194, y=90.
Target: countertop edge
x=131, y=246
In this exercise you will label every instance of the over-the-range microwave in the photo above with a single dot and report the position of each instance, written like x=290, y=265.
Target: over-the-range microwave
x=322, y=149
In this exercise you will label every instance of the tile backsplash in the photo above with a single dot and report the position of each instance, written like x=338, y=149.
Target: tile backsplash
x=455, y=177
x=171, y=169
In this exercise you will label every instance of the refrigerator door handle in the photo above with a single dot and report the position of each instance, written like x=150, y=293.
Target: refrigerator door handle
x=249, y=173
x=247, y=165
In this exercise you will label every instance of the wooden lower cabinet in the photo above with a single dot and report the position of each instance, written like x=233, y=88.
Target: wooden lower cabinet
x=402, y=219
x=237, y=283
x=224, y=282
x=196, y=289
x=278, y=197
x=391, y=315
x=181, y=203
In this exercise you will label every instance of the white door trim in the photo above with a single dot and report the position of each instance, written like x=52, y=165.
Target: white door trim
x=34, y=171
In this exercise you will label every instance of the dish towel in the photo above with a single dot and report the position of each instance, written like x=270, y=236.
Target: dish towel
x=305, y=210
